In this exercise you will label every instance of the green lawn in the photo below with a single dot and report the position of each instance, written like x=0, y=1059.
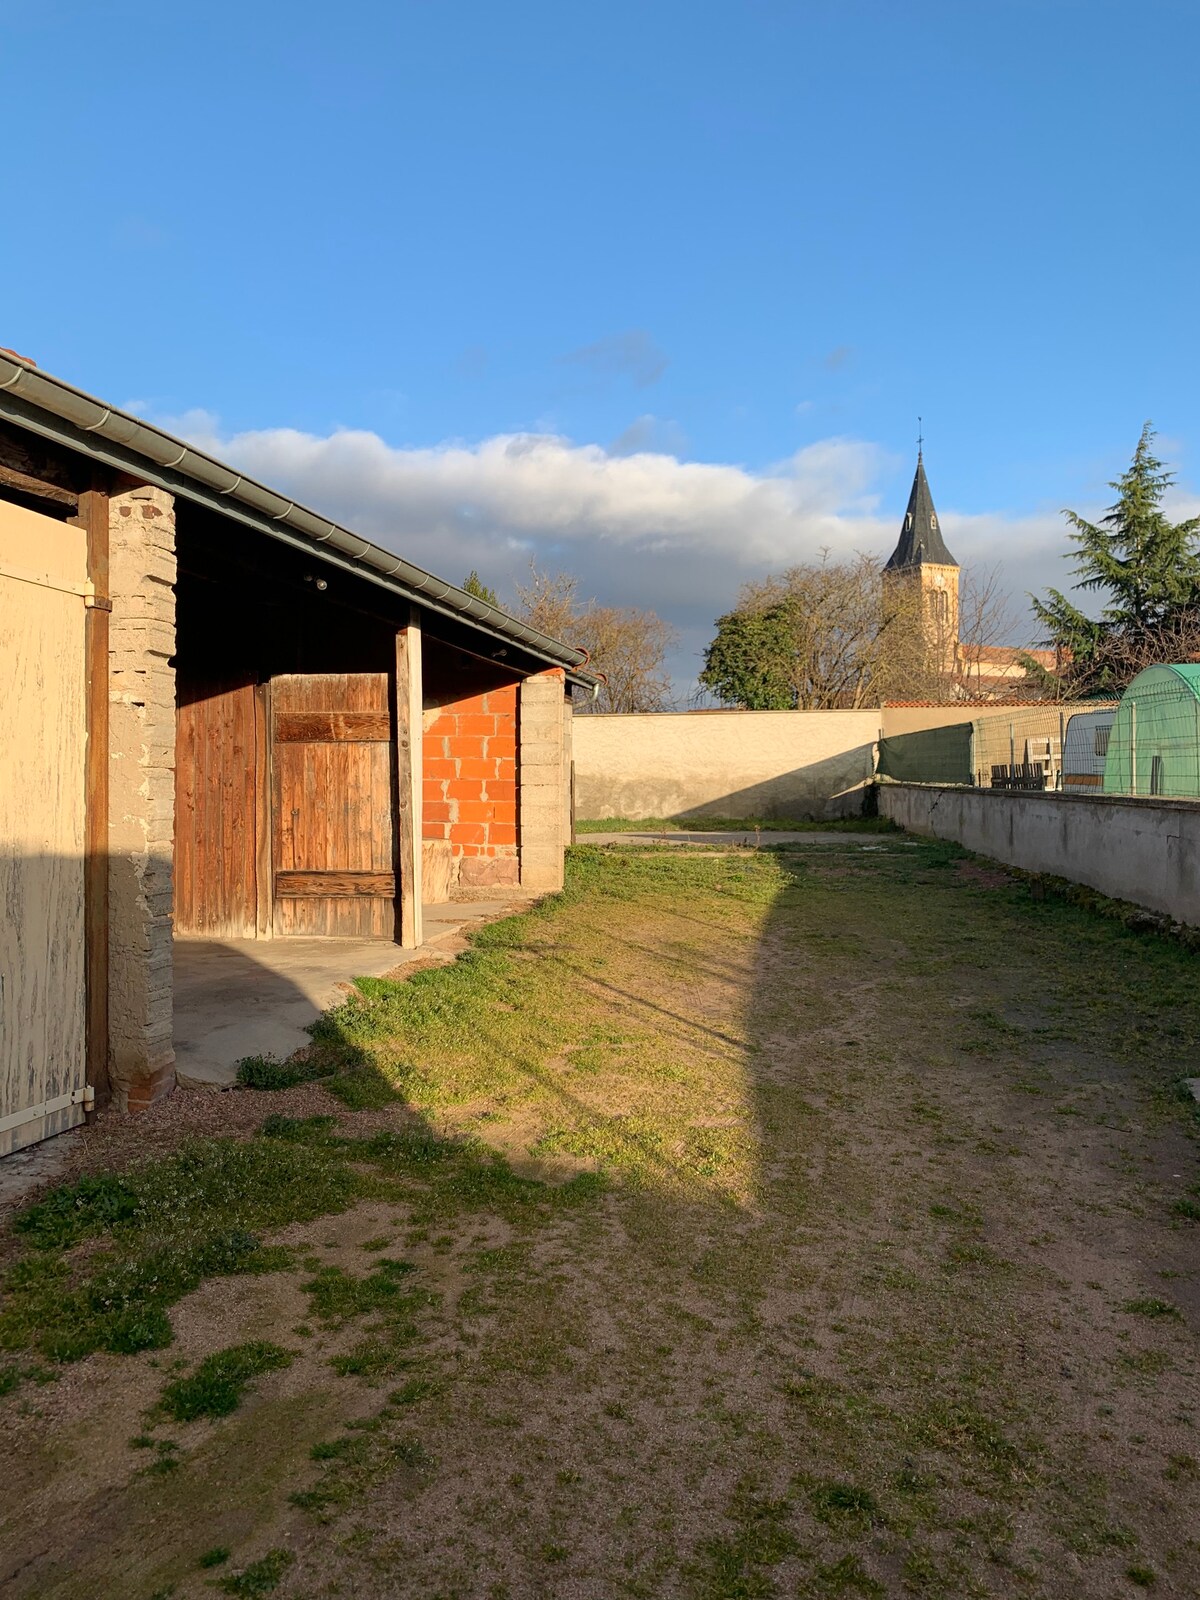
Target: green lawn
x=799, y=1223
x=733, y=825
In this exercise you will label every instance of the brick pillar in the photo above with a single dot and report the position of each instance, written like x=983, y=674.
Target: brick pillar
x=540, y=808
x=141, y=794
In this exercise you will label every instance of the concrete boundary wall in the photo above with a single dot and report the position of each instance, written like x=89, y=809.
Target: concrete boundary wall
x=724, y=763
x=1144, y=851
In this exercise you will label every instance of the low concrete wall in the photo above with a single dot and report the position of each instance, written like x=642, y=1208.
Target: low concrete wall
x=1144, y=851
x=724, y=763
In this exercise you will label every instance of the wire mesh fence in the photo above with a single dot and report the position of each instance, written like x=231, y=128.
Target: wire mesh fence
x=1146, y=745
x=1048, y=747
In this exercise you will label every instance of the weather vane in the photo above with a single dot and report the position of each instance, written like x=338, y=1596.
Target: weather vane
x=920, y=439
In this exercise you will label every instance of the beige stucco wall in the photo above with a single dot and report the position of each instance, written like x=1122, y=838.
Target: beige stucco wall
x=141, y=802
x=1144, y=851
x=724, y=763
x=915, y=719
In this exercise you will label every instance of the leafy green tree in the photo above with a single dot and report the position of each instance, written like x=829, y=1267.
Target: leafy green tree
x=830, y=634
x=1147, y=567
x=476, y=586
x=748, y=663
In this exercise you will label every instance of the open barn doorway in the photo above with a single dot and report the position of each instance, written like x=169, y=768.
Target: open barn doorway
x=286, y=773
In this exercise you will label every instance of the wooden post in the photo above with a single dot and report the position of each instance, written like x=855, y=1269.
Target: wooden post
x=264, y=843
x=93, y=516
x=409, y=730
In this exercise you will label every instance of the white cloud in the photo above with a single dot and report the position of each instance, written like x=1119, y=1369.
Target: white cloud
x=642, y=528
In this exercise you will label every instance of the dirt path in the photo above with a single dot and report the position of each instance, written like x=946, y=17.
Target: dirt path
x=891, y=1287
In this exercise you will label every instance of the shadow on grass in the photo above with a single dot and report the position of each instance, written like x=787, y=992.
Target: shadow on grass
x=859, y=1268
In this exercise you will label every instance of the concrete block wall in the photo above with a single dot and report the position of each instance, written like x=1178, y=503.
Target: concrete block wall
x=541, y=779
x=1143, y=851
x=141, y=794
x=470, y=785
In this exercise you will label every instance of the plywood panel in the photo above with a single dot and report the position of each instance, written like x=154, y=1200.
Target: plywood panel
x=216, y=890
x=42, y=752
x=332, y=806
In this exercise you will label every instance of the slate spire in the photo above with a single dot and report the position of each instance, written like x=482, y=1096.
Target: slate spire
x=921, y=533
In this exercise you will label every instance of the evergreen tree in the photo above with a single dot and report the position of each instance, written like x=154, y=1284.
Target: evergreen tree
x=749, y=662
x=1147, y=567
x=476, y=586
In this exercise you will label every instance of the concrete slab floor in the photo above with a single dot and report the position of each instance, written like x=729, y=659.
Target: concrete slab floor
x=251, y=997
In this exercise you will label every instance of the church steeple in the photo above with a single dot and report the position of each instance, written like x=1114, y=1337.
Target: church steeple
x=921, y=542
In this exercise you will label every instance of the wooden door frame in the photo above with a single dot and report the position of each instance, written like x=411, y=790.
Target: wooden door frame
x=93, y=515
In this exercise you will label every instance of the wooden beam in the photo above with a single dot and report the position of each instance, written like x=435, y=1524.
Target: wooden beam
x=302, y=885
x=333, y=727
x=93, y=517
x=36, y=488
x=409, y=729
x=43, y=466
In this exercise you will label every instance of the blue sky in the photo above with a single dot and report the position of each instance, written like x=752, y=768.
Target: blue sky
x=653, y=292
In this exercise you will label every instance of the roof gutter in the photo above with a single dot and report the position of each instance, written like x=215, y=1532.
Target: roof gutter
x=58, y=411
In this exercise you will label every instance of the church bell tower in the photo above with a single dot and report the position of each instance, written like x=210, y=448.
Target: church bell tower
x=921, y=559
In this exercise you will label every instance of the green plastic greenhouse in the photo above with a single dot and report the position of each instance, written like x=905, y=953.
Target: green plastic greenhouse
x=1154, y=747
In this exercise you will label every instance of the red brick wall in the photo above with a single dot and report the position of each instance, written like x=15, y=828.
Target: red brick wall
x=470, y=783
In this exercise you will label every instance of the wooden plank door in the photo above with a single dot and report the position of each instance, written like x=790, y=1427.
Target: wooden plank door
x=216, y=809
x=43, y=711
x=332, y=805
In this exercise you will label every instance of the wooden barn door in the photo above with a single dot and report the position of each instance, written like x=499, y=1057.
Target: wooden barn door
x=332, y=806
x=43, y=584
x=217, y=771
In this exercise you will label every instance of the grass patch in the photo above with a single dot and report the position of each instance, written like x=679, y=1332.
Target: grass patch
x=683, y=824
x=216, y=1387
x=353, y=1463
x=737, y=1567
x=1150, y=1307
x=362, y=1089
x=260, y=1577
x=843, y=1502
x=216, y=1557
x=845, y=1576
x=336, y=1296
x=168, y=1225
x=268, y=1072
